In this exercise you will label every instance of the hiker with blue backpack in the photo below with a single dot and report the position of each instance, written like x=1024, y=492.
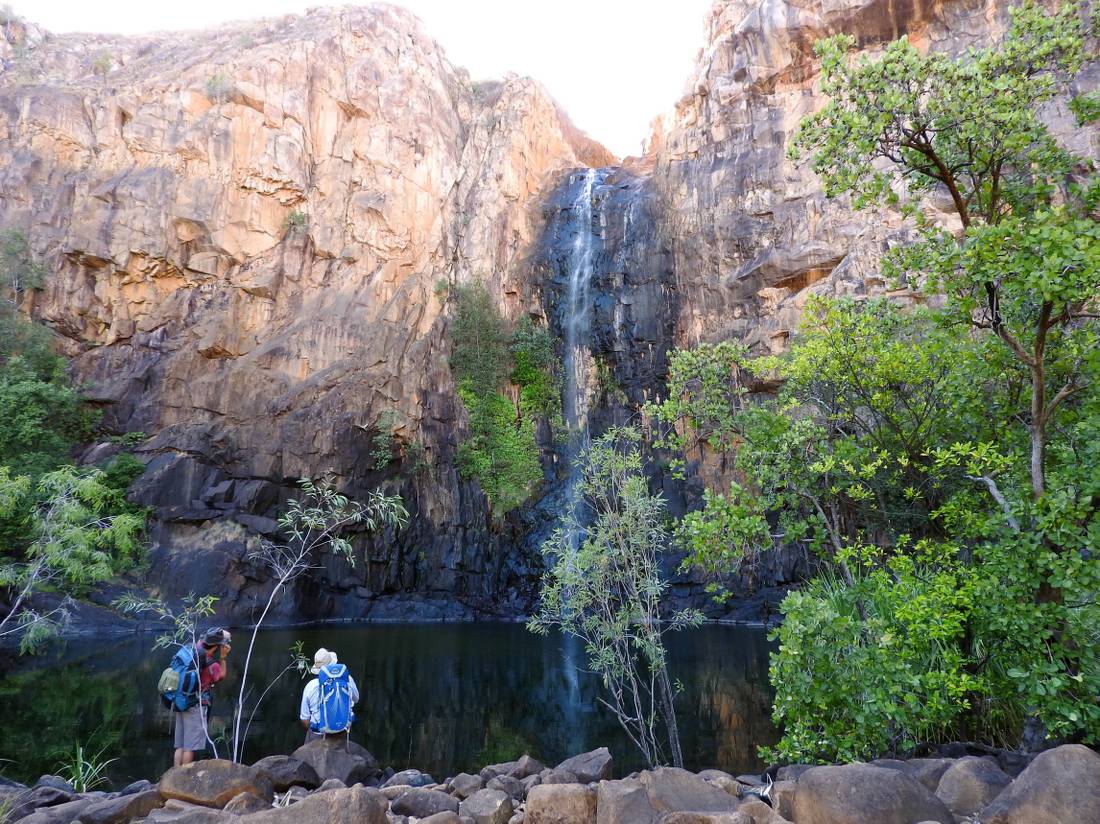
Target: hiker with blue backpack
x=185, y=688
x=328, y=700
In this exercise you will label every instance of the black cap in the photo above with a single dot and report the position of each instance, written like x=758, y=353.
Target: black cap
x=216, y=636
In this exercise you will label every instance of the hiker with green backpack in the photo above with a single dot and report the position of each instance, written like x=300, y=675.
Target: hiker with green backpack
x=185, y=688
x=328, y=700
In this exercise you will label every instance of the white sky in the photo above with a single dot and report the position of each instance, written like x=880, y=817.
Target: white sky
x=613, y=64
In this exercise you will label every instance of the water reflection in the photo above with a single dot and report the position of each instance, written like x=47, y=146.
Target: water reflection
x=443, y=698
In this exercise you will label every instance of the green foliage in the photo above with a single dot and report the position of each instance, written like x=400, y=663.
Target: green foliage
x=41, y=416
x=103, y=63
x=479, y=336
x=874, y=666
x=704, y=393
x=295, y=221
x=382, y=443
x=501, y=452
x=218, y=87
x=19, y=272
x=85, y=770
x=941, y=464
x=607, y=591
x=79, y=534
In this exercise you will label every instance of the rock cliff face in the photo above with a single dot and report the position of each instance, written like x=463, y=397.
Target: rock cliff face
x=248, y=232
x=751, y=233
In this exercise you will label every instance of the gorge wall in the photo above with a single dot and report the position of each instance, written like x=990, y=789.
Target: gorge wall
x=249, y=231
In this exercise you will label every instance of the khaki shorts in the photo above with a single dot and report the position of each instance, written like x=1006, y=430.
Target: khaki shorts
x=190, y=734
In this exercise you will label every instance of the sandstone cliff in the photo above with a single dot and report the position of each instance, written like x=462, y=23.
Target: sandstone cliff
x=247, y=233
x=751, y=233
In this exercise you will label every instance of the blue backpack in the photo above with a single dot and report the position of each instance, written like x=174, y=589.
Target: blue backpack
x=334, y=695
x=179, y=683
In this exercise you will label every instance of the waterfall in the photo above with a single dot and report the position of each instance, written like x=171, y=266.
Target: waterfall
x=577, y=320
x=577, y=332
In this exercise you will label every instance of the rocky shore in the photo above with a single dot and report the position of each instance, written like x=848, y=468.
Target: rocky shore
x=333, y=782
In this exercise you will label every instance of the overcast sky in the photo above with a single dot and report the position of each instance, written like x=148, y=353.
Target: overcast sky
x=613, y=64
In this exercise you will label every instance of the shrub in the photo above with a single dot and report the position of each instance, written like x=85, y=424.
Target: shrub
x=218, y=87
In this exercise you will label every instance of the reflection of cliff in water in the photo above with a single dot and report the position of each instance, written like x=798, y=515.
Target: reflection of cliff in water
x=443, y=698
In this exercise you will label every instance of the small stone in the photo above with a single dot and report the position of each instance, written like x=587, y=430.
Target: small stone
x=410, y=778
x=488, y=806
x=507, y=784
x=245, y=803
x=421, y=803
x=465, y=785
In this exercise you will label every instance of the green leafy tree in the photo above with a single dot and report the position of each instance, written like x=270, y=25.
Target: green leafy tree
x=939, y=464
x=41, y=416
x=77, y=539
x=501, y=452
x=19, y=272
x=607, y=591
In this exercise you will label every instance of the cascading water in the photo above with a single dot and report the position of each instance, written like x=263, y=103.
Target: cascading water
x=577, y=331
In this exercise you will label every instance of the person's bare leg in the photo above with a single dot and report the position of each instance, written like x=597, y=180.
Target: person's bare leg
x=177, y=758
x=188, y=757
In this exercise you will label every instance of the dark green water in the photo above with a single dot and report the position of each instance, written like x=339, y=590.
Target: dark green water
x=442, y=698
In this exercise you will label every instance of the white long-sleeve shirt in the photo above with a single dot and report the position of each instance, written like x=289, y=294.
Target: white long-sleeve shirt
x=311, y=700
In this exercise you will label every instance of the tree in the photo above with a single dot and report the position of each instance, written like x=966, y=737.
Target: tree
x=1026, y=265
x=607, y=591
x=18, y=270
x=79, y=538
x=501, y=453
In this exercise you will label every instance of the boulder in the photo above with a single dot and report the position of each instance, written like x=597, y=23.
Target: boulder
x=213, y=783
x=1060, y=785
x=561, y=804
x=705, y=818
x=331, y=784
x=137, y=787
x=339, y=758
x=354, y=805
x=761, y=813
x=792, y=772
x=491, y=771
x=488, y=806
x=557, y=776
x=181, y=812
x=529, y=782
x=527, y=766
x=287, y=771
x=623, y=802
x=970, y=784
x=465, y=785
x=445, y=817
x=421, y=803
x=722, y=780
x=410, y=778
x=122, y=808
x=671, y=789
x=589, y=766
x=862, y=794
x=928, y=771
x=782, y=797
x=23, y=802
x=246, y=803
x=55, y=781
x=64, y=813
x=507, y=784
